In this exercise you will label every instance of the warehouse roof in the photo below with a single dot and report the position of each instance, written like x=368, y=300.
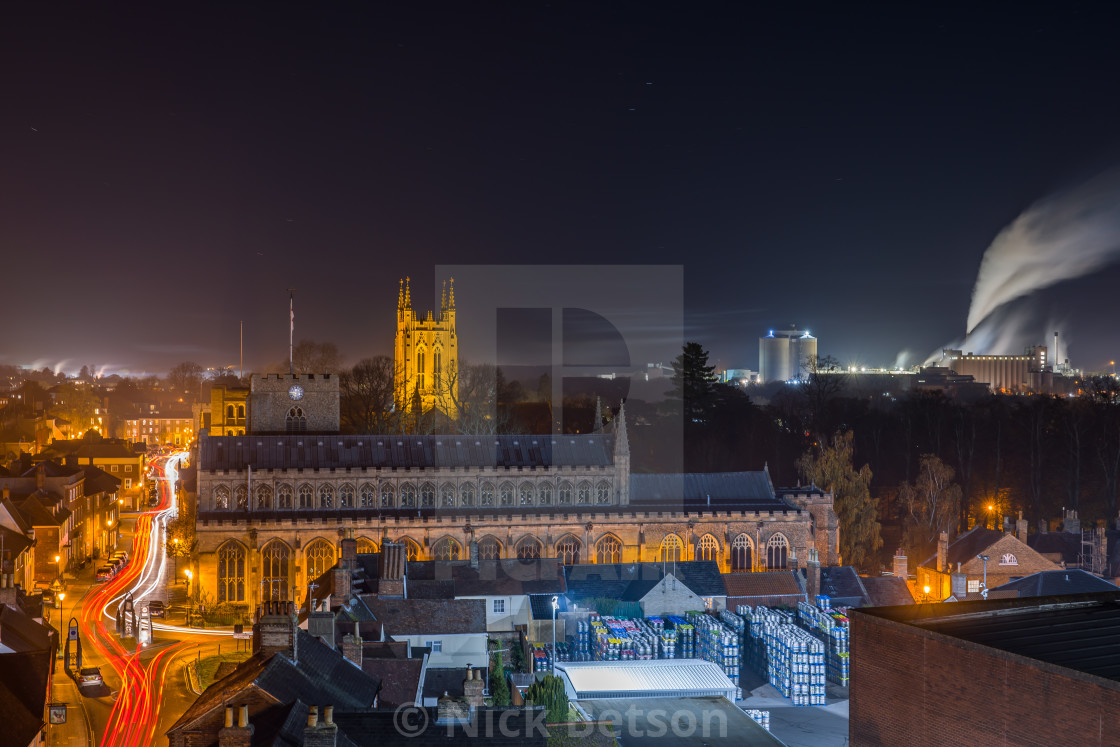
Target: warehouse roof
x=658, y=678
x=1054, y=583
x=1079, y=631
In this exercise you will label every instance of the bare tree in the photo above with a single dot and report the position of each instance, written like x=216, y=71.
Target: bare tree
x=186, y=377
x=473, y=391
x=311, y=357
x=367, y=397
x=932, y=502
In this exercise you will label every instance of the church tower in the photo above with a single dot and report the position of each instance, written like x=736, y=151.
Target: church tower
x=426, y=355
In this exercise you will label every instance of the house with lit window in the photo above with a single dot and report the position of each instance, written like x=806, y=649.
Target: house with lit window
x=961, y=569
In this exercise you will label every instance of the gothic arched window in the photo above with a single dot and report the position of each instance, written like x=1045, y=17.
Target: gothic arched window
x=296, y=422
x=420, y=369
x=544, y=493
x=320, y=558
x=608, y=550
x=221, y=498
x=529, y=547
x=284, y=496
x=274, y=570
x=505, y=494
x=346, y=496
x=567, y=549
x=565, y=494
x=241, y=497
x=466, y=495
x=387, y=495
x=489, y=549
x=264, y=496
x=326, y=496
x=411, y=549
x=742, y=552
x=427, y=495
x=707, y=548
x=447, y=549
x=368, y=496
x=408, y=495
x=584, y=496
x=366, y=546
x=231, y=572
x=671, y=549
x=306, y=496
x=525, y=494
x=447, y=495
x=777, y=551
x=486, y=494
x=603, y=492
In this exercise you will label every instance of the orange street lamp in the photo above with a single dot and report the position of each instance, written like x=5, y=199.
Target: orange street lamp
x=58, y=562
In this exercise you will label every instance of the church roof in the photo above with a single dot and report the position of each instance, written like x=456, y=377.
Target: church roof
x=750, y=490
x=308, y=451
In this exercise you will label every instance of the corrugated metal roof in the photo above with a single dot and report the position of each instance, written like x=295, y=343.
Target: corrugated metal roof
x=656, y=678
x=309, y=451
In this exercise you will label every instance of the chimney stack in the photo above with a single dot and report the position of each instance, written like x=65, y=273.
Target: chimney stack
x=813, y=576
x=275, y=629
x=392, y=581
x=942, y=552
x=1021, y=527
x=320, y=733
x=1073, y=524
x=352, y=645
x=236, y=736
x=320, y=624
x=473, y=688
x=901, y=565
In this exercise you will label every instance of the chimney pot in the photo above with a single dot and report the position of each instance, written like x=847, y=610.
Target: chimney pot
x=313, y=716
x=328, y=715
x=229, y=717
x=243, y=716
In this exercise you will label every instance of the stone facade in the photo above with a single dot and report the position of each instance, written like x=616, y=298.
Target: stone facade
x=426, y=355
x=283, y=403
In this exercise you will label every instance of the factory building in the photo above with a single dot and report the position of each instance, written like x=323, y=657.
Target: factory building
x=1029, y=372
x=785, y=355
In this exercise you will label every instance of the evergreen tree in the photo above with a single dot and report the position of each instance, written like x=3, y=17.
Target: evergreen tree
x=830, y=466
x=694, y=382
x=499, y=688
x=549, y=692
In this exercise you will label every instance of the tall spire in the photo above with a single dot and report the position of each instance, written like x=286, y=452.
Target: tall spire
x=443, y=298
x=451, y=294
x=400, y=295
x=597, y=423
x=621, y=441
x=407, y=292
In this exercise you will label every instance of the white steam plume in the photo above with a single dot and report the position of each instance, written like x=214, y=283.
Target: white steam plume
x=1059, y=238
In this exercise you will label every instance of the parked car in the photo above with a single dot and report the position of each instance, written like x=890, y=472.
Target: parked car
x=156, y=608
x=122, y=554
x=89, y=677
x=106, y=572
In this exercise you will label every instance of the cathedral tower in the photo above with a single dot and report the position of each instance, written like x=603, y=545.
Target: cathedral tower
x=426, y=355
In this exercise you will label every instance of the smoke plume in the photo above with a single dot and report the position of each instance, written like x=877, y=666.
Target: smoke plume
x=1062, y=237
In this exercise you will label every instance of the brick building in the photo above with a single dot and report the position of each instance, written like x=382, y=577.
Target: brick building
x=959, y=571
x=1003, y=671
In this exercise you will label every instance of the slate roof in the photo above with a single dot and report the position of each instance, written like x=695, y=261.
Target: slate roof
x=10, y=507
x=1053, y=583
x=507, y=577
x=630, y=582
x=763, y=584
x=450, y=681
x=967, y=546
x=885, y=591
x=14, y=543
x=320, y=674
x=38, y=515
x=428, y=616
x=333, y=451
x=750, y=490
x=1065, y=544
x=99, y=481
x=844, y=587
x=400, y=680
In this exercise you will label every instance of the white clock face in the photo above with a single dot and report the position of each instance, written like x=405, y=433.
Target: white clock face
x=296, y=392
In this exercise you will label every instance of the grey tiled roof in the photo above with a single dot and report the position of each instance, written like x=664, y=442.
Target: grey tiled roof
x=428, y=616
x=632, y=581
x=720, y=489
x=310, y=451
x=1054, y=583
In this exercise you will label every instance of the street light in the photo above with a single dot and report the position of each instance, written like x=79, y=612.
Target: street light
x=555, y=607
x=984, y=587
x=61, y=617
x=190, y=605
x=990, y=509
x=58, y=562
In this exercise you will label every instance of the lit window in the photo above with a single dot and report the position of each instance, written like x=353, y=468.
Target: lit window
x=973, y=586
x=1008, y=559
x=499, y=606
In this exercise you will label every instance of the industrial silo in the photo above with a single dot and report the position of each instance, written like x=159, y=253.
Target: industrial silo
x=802, y=349
x=773, y=358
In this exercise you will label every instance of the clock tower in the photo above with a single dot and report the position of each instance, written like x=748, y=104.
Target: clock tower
x=294, y=403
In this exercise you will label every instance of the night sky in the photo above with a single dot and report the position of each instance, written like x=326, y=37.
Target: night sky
x=168, y=173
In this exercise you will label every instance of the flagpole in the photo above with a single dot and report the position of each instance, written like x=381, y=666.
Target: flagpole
x=291, y=329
